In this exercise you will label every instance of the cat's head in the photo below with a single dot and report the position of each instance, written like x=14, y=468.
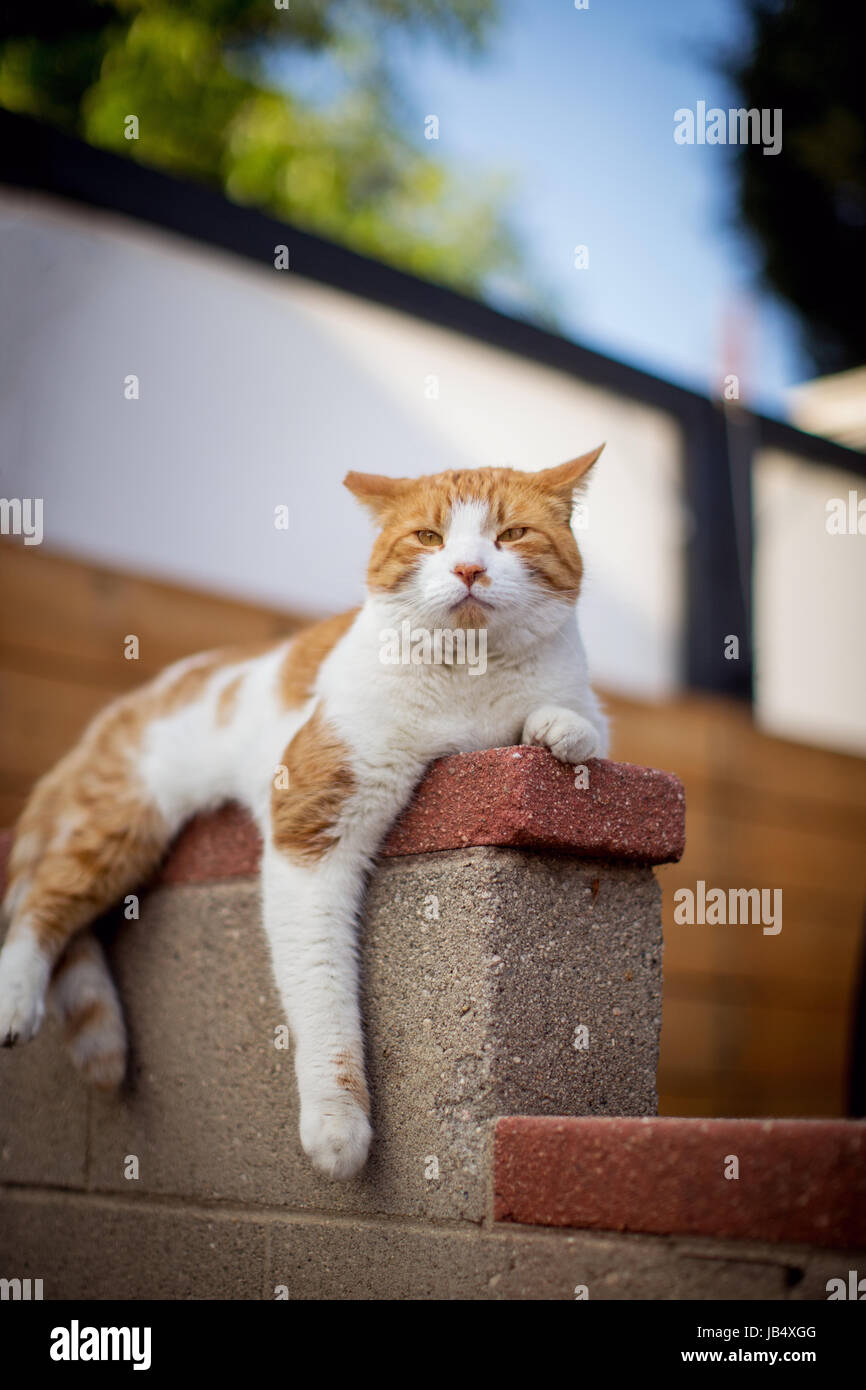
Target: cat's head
x=480, y=548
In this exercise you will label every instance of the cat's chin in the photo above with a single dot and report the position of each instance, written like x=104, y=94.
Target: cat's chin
x=469, y=613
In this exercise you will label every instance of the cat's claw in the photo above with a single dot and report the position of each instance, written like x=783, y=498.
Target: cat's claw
x=336, y=1137
x=570, y=737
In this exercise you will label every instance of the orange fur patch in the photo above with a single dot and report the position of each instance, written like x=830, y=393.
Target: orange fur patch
x=306, y=654
x=84, y=1017
x=350, y=1076
x=95, y=828
x=542, y=502
x=88, y=831
x=227, y=701
x=192, y=680
x=305, y=813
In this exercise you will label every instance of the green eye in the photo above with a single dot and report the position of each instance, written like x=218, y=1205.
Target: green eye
x=429, y=537
x=513, y=533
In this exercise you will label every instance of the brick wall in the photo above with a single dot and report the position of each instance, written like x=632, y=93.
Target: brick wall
x=509, y=909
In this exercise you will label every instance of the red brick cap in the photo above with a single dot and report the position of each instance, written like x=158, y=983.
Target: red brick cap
x=504, y=796
x=799, y=1180
x=524, y=797
x=222, y=844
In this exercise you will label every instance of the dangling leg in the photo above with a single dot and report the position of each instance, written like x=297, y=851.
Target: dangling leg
x=325, y=828
x=310, y=916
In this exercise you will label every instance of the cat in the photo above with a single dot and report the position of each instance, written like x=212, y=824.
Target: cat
x=323, y=741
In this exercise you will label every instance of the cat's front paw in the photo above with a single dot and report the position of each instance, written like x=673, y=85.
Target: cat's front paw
x=24, y=974
x=336, y=1136
x=570, y=737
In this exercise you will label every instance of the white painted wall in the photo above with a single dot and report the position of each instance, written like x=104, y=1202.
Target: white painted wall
x=809, y=584
x=258, y=388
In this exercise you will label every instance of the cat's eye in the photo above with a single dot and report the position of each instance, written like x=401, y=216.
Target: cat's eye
x=513, y=533
x=429, y=537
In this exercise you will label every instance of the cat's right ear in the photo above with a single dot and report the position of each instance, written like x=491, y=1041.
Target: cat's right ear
x=376, y=492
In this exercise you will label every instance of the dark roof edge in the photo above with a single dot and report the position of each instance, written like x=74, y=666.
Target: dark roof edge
x=38, y=157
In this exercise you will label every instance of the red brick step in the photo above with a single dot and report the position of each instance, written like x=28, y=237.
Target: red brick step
x=799, y=1180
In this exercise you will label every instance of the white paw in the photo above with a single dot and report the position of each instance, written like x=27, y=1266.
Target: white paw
x=570, y=737
x=24, y=974
x=336, y=1136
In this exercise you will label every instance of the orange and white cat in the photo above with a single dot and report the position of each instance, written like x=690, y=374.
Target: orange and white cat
x=323, y=740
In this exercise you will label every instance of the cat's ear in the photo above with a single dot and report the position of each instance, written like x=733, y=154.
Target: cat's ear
x=374, y=491
x=565, y=477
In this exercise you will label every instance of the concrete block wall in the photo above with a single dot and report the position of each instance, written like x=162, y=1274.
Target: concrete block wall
x=511, y=968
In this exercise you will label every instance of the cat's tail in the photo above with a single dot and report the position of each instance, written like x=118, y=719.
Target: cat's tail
x=83, y=997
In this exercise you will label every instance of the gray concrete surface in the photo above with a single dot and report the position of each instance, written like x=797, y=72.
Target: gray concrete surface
x=90, y=1246
x=479, y=965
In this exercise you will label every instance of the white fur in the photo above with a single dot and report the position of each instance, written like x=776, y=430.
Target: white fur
x=570, y=737
x=99, y=1049
x=24, y=974
x=395, y=719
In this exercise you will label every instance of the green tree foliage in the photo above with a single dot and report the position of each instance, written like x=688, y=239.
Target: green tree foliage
x=203, y=78
x=807, y=205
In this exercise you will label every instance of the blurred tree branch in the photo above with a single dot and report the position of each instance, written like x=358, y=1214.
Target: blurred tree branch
x=199, y=75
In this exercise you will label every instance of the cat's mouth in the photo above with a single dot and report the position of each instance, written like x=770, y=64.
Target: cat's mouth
x=470, y=601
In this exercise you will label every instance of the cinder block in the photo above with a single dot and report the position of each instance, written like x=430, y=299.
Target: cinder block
x=103, y=1248
x=473, y=1012
x=209, y=1106
x=43, y=1114
x=496, y=980
x=98, y=1247
x=478, y=967
x=357, y=1259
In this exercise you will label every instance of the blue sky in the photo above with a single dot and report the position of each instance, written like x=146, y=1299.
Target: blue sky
x=577, y=107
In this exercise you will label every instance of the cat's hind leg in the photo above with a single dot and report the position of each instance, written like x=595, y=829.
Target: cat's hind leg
x=83, y=997
x=89, y=832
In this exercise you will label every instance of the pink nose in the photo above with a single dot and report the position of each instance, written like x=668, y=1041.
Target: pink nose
x=468, y=573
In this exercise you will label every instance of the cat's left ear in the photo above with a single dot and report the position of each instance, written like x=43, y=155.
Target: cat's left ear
x=374, y=491
x=565, y=477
